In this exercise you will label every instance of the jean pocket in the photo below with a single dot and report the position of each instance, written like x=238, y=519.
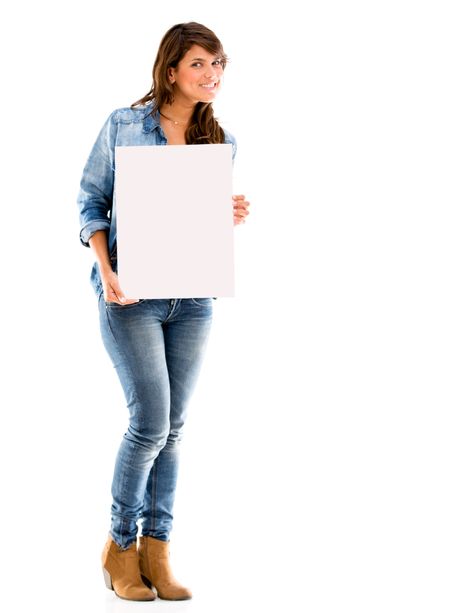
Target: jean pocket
x=123, y=307
x=201, y=302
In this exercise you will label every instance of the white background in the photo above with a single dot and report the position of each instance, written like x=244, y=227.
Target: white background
x=316, y=458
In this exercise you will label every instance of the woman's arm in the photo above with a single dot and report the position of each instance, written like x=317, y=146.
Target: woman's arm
x=97, y=184
x=110, y=281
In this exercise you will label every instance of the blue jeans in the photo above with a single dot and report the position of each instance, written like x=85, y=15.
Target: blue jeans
x=157, y=347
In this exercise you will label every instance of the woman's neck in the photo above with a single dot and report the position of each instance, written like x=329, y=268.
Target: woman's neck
x=178, y=112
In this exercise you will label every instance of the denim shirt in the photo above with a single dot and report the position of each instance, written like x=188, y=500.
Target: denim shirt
x=96, y=198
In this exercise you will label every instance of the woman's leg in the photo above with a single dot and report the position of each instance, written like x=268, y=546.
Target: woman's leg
x=186, y=333
x=134, y=338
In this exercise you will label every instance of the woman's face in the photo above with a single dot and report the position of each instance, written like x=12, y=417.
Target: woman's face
x=197, y=78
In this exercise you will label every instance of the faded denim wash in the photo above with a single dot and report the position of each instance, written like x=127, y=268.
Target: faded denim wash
x=157, y=347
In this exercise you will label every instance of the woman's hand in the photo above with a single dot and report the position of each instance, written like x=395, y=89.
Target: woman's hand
x=111, y=289
x=110, y=281
x=240, y=209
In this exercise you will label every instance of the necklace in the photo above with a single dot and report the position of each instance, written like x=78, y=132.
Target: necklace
x=177, y=123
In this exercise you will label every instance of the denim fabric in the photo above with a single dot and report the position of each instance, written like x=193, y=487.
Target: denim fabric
x=96, y=199
x=157, y=347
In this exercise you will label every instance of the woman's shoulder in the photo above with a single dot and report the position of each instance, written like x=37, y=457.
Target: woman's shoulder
x=229, y=137
x=129, y=114
x=230, y=140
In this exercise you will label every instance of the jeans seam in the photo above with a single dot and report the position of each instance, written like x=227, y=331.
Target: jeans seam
x=125, y=521
x=153, y=495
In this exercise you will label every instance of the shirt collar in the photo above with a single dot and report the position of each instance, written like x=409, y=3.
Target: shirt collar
x=151, y=122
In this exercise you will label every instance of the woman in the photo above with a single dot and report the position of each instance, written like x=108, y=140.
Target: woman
x=156, y=345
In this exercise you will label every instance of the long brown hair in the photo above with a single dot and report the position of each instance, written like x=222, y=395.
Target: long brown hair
x=203, y=128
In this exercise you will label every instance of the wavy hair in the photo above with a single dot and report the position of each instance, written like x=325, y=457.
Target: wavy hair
x=203, y=127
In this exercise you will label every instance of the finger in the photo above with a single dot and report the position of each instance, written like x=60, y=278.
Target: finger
x=123, y=300
x=112, y=297
x=118, y=293
x=239, y=197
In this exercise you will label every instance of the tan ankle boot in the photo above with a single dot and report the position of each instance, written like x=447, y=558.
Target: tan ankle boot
x=122, y=574
x=156, y=571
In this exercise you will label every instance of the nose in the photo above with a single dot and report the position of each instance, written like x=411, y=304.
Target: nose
x=210, y=72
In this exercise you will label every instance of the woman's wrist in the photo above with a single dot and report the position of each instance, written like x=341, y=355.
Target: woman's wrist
x=99, y=244
x=105, y=268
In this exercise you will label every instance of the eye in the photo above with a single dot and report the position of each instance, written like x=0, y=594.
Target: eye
x=215, y=63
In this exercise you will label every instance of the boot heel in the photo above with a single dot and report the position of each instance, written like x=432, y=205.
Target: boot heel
x=121, y=572
x=107, y=578
x=146, y=581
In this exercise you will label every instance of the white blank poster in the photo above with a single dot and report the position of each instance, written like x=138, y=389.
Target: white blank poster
x=174, y=210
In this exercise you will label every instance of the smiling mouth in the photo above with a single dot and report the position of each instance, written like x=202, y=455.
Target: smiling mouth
x=209, y=85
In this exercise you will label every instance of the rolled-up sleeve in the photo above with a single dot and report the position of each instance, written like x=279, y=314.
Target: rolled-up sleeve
x=97, y=184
